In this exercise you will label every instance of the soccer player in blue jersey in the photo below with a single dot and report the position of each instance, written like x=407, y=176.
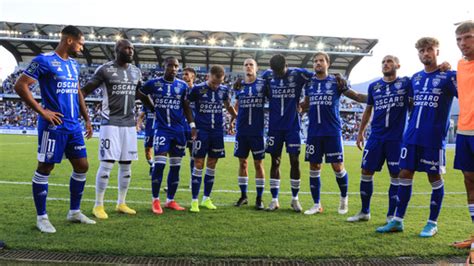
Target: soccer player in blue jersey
x=388, y=101
x=283, y=88
x=250, y=100
x=209, y=98
x=325, y=131
x=59, y=128
x=189, y=75
x=120, y=81
x=423, y=147
x=169, y=95
x=149, y=117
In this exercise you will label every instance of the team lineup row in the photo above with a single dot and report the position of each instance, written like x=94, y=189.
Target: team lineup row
x=190, y=115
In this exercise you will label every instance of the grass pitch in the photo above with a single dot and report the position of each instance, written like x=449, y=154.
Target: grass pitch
x=227, y=231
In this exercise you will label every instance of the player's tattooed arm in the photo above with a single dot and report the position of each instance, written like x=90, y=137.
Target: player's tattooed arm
x=354, y=95
x=363, y=126
x=232, y=112
x=140, y=118
x=445, y=66
x=22, y=89
x=304, y=106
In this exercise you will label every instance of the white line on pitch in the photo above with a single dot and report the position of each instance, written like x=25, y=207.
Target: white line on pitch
x=231, y=191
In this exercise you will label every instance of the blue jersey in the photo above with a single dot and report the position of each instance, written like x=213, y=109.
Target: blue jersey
x=251, y=113
x=208, y=113
x=284, y=96
x=390, y=103
x=59, y=83
x=429, y=121
x=323, y=114
x=168, y=98
x=149, y=119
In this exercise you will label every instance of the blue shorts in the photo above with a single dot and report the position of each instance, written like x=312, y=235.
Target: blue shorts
x=330, y=147
x=53, y=145
x=210, y=144
x=189, y=140
x=464, y=158
x=245, y=144
x=276, y=138
x=173, y=143
x=377, y=151
x=423, y=159
x=149, y=134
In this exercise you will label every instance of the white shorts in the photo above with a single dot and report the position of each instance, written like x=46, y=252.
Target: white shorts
x=118, y=143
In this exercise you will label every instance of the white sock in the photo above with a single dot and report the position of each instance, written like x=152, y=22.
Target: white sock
x=124, y=176
x=101, y=182
x=204, y=198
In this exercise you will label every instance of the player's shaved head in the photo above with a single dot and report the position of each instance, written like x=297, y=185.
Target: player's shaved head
x=124, y=51
x=278, y=64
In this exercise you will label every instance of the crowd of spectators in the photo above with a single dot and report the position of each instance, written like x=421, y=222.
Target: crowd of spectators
x=15, y=113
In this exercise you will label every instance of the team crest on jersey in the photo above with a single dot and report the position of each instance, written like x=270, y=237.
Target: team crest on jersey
x=177, y=89
x=417, y=79
x=32, y=67
x=436, y=82
x=328, y=85
x=398, y=85
x=377, y=87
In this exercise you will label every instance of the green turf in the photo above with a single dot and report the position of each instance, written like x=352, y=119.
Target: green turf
x=228, y=231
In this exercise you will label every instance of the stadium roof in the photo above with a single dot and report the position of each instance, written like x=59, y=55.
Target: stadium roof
x=193, y=48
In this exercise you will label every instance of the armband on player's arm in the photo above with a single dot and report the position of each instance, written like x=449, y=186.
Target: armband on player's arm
x=192, y=125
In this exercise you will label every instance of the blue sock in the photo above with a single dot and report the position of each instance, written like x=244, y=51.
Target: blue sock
x=274, y=187
x=260, y=186
x=437, y=195
x=315, y=185
x=295, y=187
x=196, y=182
x=342, y=179
x=208, y=181
x=404, y=195
x=366, y=190
x=157, y=175
x=40, y=192
x=393, y=196
x=76, y=188
x=173, y=177
x=243, y=184
x=471, y=211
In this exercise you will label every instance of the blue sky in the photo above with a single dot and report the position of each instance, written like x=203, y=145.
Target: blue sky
x=397, y=24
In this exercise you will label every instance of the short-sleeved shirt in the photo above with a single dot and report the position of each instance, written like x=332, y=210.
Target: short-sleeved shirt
x=119, y=87
x=465, y=79
x=208, y=107
x=284, y=95
x=251, y=99
x=59, y=84
x=168, y=98
x=323, y=113
x=390, y=104
x=433, y=95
